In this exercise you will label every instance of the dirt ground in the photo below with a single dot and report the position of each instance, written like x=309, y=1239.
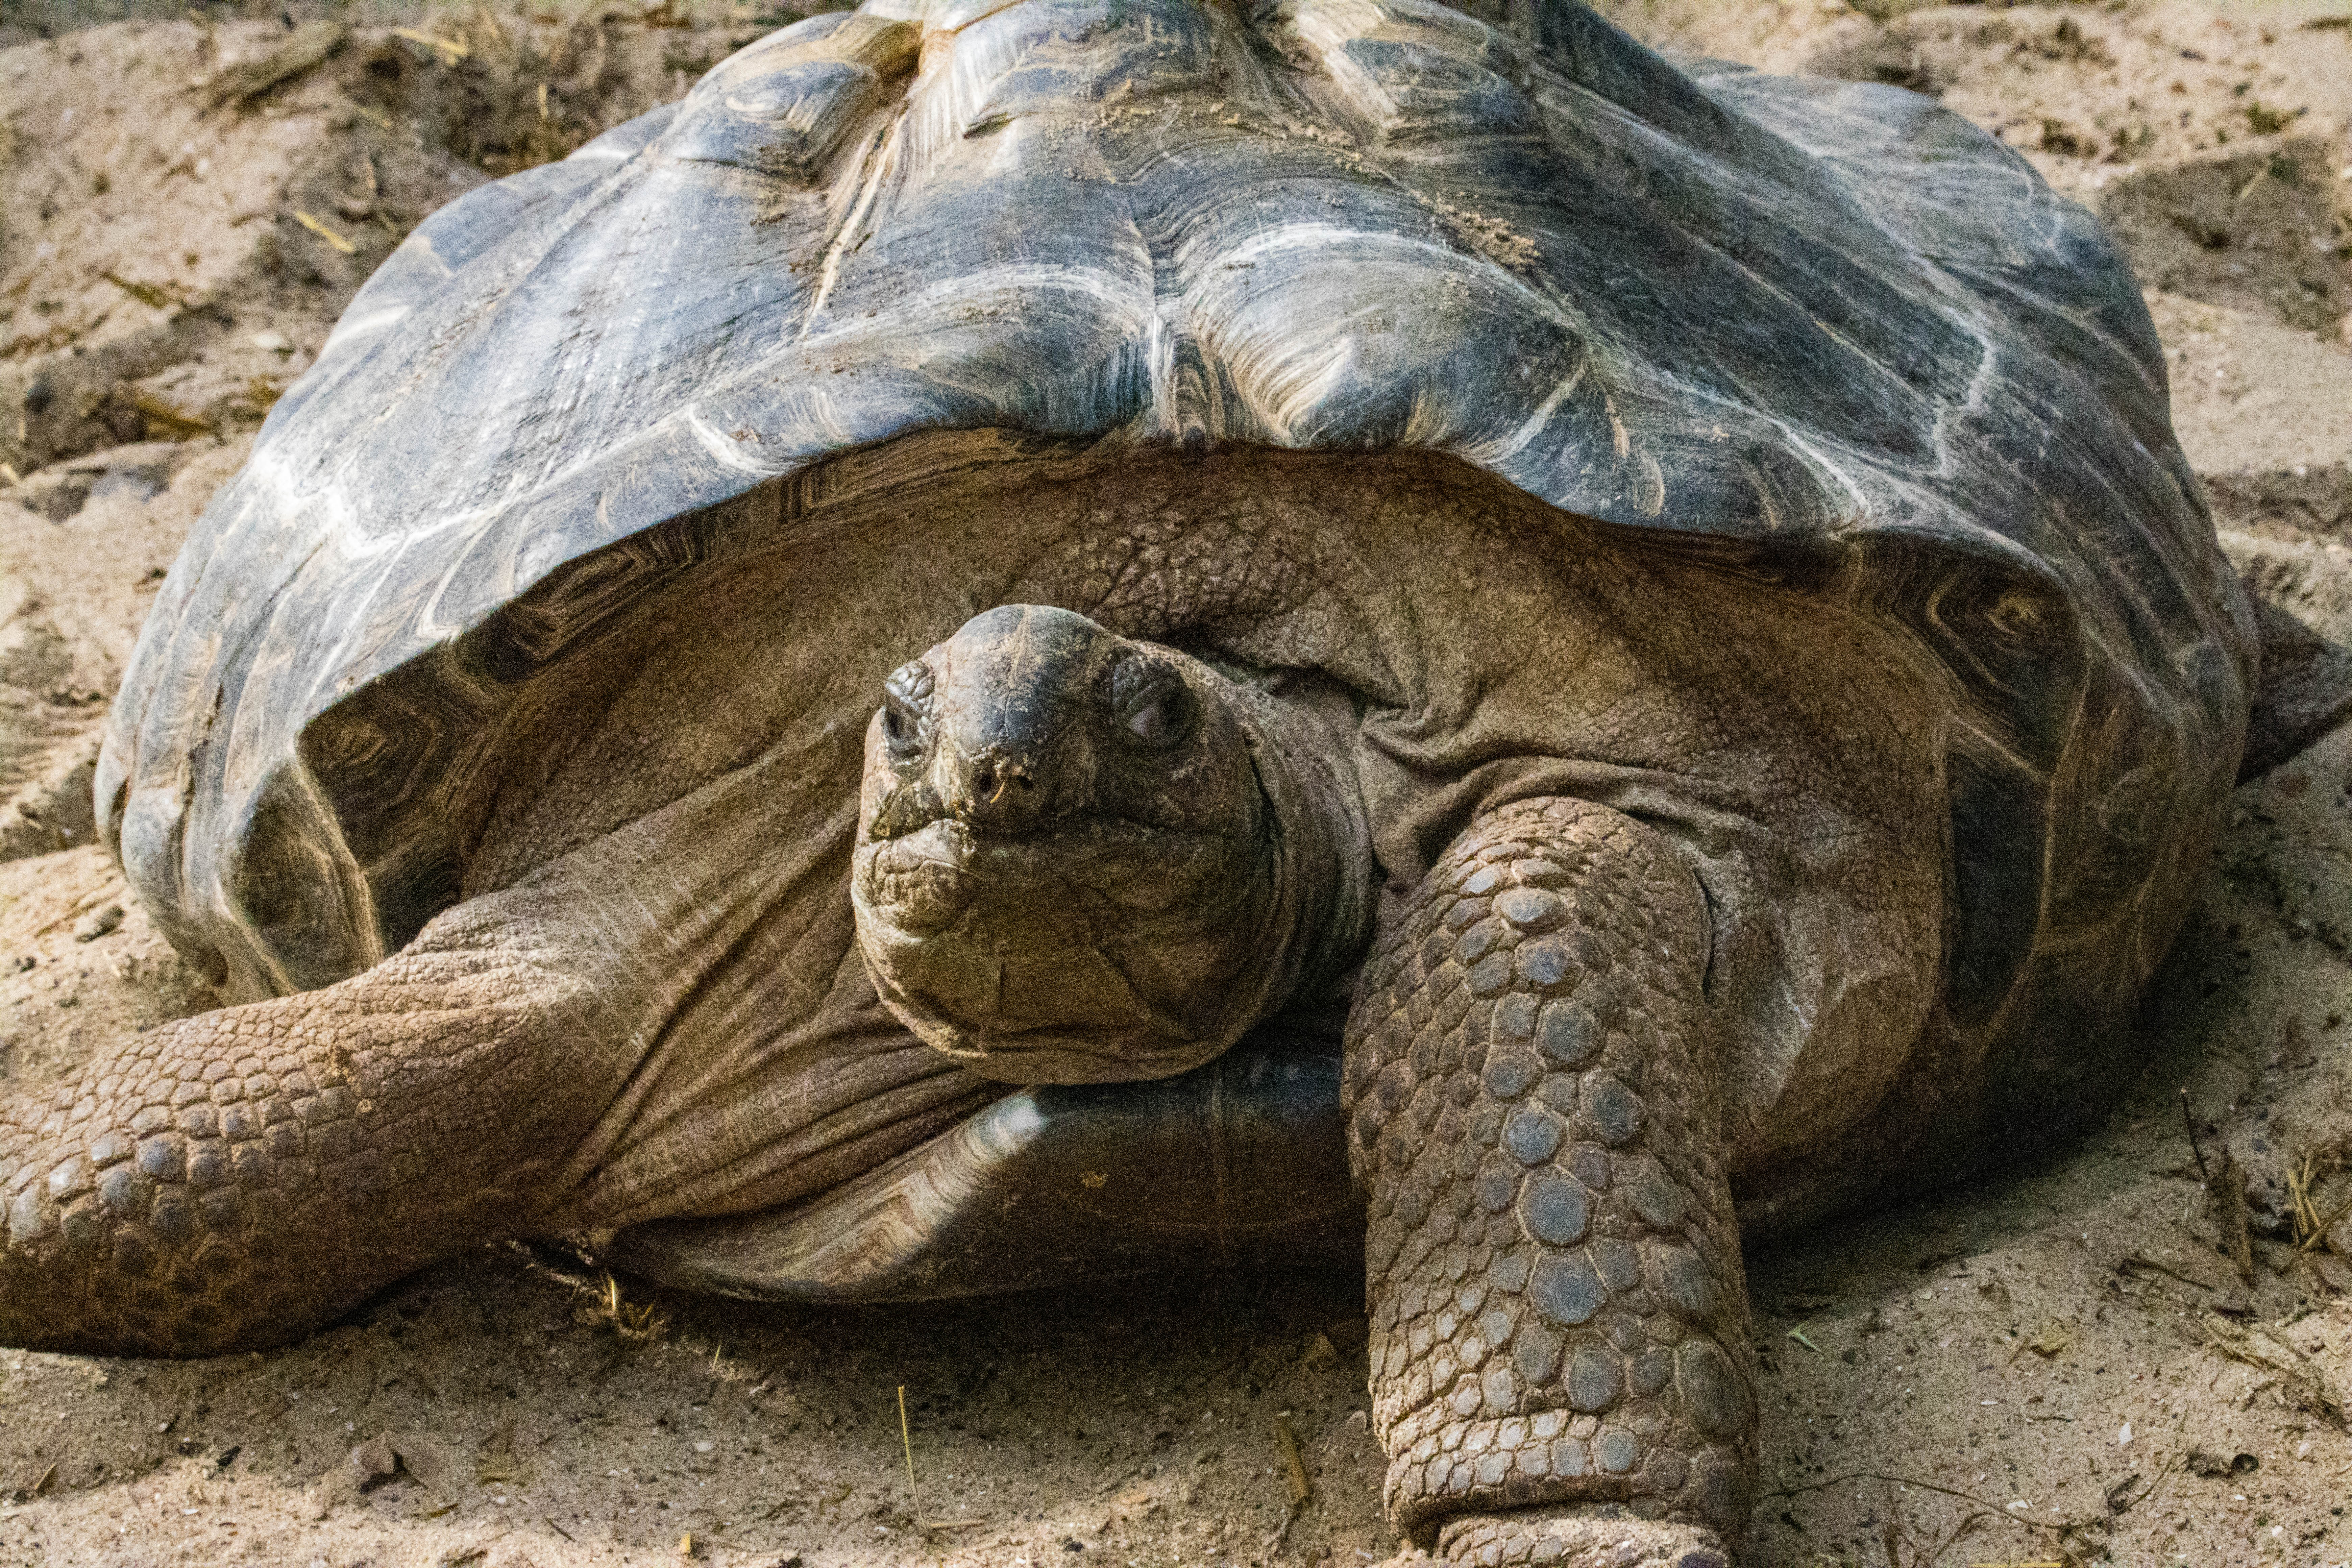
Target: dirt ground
x=2058, y=1364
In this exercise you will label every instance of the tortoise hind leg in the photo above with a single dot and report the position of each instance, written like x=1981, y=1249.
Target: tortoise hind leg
x=1560, y=1321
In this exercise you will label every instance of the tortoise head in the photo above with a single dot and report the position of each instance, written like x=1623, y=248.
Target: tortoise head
x=1070, y=865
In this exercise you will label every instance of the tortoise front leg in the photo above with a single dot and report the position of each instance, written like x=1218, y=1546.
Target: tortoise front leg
x=235, y=1179
x=1560, y=1354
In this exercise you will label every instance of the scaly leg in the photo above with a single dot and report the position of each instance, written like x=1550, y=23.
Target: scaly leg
x=236, y=1178
x=670, y=1020
x=1561, y=1353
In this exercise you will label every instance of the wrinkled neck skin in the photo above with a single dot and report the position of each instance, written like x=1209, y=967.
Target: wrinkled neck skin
x=1126, y=913
x=1319, y=842
x=1303, y=744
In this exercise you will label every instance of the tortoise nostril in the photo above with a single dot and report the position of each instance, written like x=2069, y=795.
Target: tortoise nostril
x=987, y=795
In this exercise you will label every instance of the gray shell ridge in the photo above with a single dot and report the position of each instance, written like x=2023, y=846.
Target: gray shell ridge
x=1829, y=331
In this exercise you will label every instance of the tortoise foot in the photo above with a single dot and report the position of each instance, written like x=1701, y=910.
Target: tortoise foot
x=1602, y=1536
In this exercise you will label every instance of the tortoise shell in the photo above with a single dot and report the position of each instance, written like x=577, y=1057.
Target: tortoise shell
x=1827, y=335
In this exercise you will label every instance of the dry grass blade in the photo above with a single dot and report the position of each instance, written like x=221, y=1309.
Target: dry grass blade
x=2320, y=1232
x=2052, y=1339
x=495, y=1461
x=84, y=902
x=1294, y=1464
x=2311, y=1227
x=2257, y=1348
x=2188, y=1118
x=323, y=232
x=165, y=419
x=2298, y=1196
x=304, y=47
x=449, y=49
x=2333, y=1157
x=906, y=1442
x=630, y=1324
x=148, y=294
x=2140, y=1260
x=494, y=39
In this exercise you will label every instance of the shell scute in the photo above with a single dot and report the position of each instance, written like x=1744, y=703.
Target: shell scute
x=1407, y=70
x=1060, y=56
x=784, y=105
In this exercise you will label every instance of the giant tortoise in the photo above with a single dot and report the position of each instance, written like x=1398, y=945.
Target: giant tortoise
x=1034, y=638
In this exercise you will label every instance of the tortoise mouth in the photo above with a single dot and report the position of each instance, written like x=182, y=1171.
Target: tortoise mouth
x=1091, y=950
x=1088, y=875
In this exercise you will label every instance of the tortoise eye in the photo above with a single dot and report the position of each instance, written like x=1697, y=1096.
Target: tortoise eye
x=1151, y=702
x=906, y=698
x=1161, y=714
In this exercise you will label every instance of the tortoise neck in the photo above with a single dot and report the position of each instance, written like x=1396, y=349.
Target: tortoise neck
x=1302, y=741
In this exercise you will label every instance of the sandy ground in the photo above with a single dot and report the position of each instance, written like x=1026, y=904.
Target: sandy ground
x=2058, y=1364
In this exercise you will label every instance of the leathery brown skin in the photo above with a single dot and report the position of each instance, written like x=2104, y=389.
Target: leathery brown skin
x=1087, y=860
x=1561, y=1366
